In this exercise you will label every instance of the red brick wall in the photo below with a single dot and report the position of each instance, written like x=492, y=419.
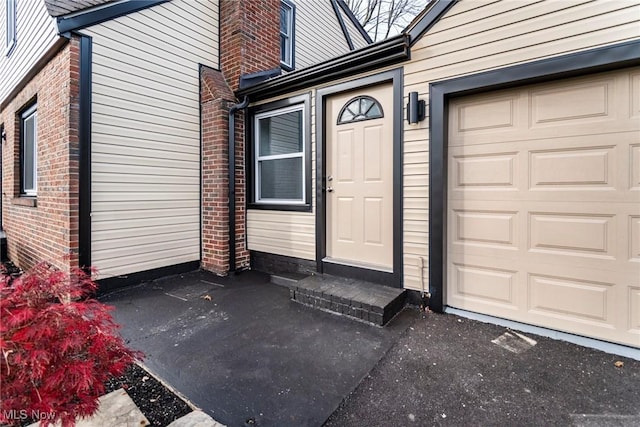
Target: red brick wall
x=215, y=98
x=47, y=231
x=249, y=37
x=249, y=42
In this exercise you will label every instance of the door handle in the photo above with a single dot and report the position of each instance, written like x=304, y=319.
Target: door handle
x=329, y=189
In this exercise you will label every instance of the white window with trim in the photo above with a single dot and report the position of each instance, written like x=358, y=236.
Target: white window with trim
x=10, y=25
x=280, y=153
x=287, y=25
x=29, y=151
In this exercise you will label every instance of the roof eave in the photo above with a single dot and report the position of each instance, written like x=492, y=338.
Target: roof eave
x=436, y=11
x=79, y=20
x=387, y=52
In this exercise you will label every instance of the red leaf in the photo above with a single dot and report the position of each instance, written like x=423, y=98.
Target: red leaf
x=58, y=345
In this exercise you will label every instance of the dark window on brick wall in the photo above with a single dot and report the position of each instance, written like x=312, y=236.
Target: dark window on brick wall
x=287, y=35
x=28, y=151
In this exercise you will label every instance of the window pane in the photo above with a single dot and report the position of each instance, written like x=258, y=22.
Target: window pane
x=346, y=115
x=355, y=107
x=28, y=164
x=284, y=57
x=10, y=23
x=375, y=111
x=281, y=134
x=281, y=179
x=360, y=108
x=284, y=20
x=364, y=105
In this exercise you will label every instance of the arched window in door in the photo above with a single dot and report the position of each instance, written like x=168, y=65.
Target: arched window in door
x=360, y=108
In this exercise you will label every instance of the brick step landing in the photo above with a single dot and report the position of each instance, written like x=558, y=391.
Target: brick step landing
x=350, y=297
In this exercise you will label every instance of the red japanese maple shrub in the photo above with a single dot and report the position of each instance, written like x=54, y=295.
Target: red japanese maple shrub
x=58, y=346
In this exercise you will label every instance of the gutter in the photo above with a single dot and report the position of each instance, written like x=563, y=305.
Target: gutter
x=232, y=181
x=387, y=52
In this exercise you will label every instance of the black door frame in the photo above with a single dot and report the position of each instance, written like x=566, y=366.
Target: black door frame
x=390, y=279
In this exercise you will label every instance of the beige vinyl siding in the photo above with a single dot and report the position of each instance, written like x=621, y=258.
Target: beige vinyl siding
x=318, y=36
x=481, y=35
x=356, y=38
x=36, y=32
x=146, y=135
x=281, y=232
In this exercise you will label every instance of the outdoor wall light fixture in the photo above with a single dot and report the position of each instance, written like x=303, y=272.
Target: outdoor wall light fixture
x=415, y=108
x=3, y=135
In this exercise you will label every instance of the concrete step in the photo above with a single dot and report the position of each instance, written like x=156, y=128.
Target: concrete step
x=195, y=419
x=115, y=409
x=357, y=299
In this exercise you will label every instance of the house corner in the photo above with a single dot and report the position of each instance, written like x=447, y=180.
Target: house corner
x=40, y=200
x=249, y=42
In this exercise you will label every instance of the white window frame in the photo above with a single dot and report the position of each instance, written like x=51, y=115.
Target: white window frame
x=258, y=158
x=26, y=115
x=289, y=9
x=10, y=25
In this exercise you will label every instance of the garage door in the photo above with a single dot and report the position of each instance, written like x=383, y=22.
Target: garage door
x=544, y=205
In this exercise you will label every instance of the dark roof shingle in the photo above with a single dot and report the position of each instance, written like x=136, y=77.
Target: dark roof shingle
x=64, y=7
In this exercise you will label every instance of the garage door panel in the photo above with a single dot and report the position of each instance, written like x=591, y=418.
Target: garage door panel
x=495, y=171
x=634, y=310
x=584, y=167
x=581, y=235
x=485, y=115
x=634, y=238
x=591, y=235
x=573, y=105
x=596, y=299
x=634, y=167
x=595, y=167
x=485, y=227
x=543, y=221
x=490, y=285
x=635, y=94
x=585, y=106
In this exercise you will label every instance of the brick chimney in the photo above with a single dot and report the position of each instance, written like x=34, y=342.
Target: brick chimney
x=249, y=37
x=249, y=42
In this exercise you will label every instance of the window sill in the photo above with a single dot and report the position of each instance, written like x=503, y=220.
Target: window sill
x=278, y=207
x=31, y=202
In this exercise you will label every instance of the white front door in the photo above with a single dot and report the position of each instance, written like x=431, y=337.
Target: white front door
x=359, y=171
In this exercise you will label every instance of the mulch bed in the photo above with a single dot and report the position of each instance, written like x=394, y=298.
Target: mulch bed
x=159, y=404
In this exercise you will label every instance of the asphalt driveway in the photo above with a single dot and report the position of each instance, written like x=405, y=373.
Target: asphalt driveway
x=242, y=351
x=447, y=371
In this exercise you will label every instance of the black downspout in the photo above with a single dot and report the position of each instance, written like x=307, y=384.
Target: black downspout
x=84, y=151
x=232, y=181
